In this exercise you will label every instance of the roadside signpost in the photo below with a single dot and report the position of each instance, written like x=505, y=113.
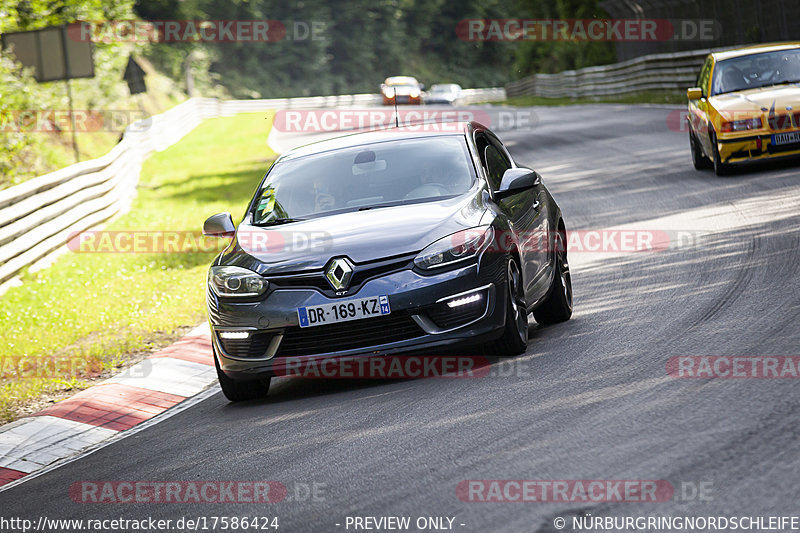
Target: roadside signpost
x=134, y=76
x=54, y=56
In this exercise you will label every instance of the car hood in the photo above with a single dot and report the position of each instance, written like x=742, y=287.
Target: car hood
x=754, y=100
x=362, y=235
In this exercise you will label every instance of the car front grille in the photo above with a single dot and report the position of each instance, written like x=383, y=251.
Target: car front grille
x=348, y=335
x=362, y=272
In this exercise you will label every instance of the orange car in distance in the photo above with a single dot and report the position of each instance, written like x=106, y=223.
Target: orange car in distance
x=406, y=89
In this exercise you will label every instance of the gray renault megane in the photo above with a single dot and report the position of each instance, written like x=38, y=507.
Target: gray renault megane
x=385, y=242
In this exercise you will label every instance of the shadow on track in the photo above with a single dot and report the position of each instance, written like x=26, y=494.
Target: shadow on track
x=478, y=360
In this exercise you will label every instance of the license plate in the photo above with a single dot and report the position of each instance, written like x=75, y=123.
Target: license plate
x=786, y=138
x=344, y=311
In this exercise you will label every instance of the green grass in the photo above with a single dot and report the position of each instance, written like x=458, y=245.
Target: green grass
x=651, y=97
x=96, y=311
x=49, y=151
x=56, y=149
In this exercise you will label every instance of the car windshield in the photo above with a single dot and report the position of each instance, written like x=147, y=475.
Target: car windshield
x=756, y=70
x=401, y=82
x=443, y=88
x=364, y=177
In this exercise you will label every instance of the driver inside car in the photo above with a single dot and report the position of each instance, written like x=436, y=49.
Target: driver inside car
x=789, y=68
x=438, y=180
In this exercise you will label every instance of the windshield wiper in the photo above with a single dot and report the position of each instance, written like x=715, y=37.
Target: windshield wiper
x=278, y=222
x=368, y=207
x=784, y=82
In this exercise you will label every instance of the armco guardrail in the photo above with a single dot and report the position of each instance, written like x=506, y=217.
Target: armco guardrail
x=38, y=216
x=652, y=72
x=474, y=96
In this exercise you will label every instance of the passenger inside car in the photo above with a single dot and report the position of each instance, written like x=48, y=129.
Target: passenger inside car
x=732, y=79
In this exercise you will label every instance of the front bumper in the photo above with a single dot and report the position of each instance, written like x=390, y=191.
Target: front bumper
x=445, y=101
x=402, y=99
x=419, y=319
x=754, y=148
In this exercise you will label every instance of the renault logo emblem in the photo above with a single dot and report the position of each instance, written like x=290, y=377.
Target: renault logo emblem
x=339, y=272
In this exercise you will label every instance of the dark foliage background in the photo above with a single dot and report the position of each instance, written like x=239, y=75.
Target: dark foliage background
x=362, y=42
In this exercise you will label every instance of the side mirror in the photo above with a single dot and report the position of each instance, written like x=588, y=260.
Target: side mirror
x=695, y=93
x=421, y=86
x=219, y=225
x=517, y=180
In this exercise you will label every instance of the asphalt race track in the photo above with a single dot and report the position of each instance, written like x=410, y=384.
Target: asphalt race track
x=590, y=400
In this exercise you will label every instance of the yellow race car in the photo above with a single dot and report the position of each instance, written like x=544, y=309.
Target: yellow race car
x=746, y=106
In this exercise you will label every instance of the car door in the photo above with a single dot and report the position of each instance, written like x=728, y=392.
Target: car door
x=526, y=212
x=698, y=109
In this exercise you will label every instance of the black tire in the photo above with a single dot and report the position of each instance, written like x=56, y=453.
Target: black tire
x=720, y=168
x=239, y=391
x=699, y=160
x=515, y=334
x=557, y=307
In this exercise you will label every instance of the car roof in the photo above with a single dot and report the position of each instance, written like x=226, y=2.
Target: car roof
x=757, y=49
x=384, y=134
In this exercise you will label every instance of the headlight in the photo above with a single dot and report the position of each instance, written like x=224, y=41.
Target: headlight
x=457, y=247
x=414, y=94
x=236, y=281
x=388, y=92
x=741, y=125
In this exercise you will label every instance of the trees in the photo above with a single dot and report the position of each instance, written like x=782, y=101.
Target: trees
x=556, y=56
x=358, y=44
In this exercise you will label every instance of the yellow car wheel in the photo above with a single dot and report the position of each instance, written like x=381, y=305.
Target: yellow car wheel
x=720, y=168
x=699, y=160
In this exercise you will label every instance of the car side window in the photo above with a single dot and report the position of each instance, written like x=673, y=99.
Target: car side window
x=501, y=161
x=496, y=165
x=480, y=144
x=497, y=144
x=493, y=157
x=702, y=79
